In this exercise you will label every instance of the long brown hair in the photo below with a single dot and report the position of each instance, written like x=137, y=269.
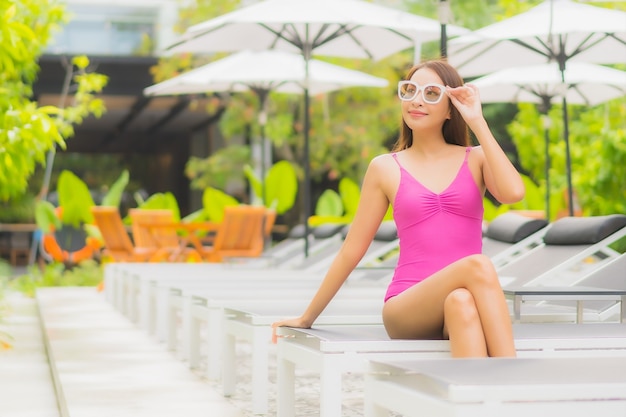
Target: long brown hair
x=455, y=129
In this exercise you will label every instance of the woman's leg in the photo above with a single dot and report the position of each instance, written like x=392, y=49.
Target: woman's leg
x=462, y=325
x=433, y=309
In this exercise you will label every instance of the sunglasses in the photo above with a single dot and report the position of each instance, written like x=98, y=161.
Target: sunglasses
x=431, y=93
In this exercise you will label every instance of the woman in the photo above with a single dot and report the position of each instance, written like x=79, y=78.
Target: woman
x=443, y=287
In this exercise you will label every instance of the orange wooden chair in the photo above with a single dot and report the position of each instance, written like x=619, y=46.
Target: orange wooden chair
x=157, y=230
x=117, y=243
x=239, y=235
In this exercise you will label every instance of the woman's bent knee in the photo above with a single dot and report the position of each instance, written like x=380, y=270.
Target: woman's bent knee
x=459, y=305
x=480, y=269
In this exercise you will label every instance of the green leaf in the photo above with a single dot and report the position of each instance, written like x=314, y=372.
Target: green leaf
x=281, y=186
x=350, y=194
x=214, y=201
x=162, y=201
x=389, y=213
x=114, y=196
x=45, y=217
x=329, y=204
x=75, y=198
x=255, y=182
x=80, y=61
x=196, y=216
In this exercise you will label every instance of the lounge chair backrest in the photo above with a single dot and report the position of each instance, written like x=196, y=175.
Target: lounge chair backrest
x=268, y=223
x=387, y=232
x=241, y=229
x=153, y=237
x=567, y=241
x=327, y=230
x=512, y=227
x=112, y=229
x=583, y=230
x=296, y=232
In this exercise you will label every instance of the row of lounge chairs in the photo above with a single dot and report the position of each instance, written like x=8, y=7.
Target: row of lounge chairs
x=203, y=310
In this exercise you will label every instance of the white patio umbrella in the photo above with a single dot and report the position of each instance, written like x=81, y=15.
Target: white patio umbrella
x=585, y=84
x=560, y=31
x=345, y=28
x=276, y=71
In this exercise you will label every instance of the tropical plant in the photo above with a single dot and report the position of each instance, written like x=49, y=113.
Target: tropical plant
x=340, y=207
x=88, y=273
x=279, y=189
x=598, y=154
x=29, y=131
x=74, y=213
x=220, y=169
x=533, y=201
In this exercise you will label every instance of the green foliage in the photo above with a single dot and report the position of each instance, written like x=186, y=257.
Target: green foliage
x=18, y=210
x=350, y=193
x=533, y=200
x=219, y=169
x=214, y=201
x=333, y=207
x=598, y=154
x=281, y=186
x=114, y=195
x=87, y=273
x=45, y=217
x=158, y=201
x=29, y=131
x=75, y=199
x=329, y=204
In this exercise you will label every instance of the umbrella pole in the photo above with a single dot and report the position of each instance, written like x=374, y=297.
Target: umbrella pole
x=568, y=159
x=307, y=165
x=444, y=19
x=546, y=132
x=262, y=122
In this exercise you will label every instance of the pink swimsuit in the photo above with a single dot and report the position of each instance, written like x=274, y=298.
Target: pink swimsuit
x=435, y=230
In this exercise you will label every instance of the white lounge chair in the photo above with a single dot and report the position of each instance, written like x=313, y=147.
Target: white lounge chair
x=510, y=235
x=601, y=292
x=333, y=351
x=495, y=387
x=567, y=246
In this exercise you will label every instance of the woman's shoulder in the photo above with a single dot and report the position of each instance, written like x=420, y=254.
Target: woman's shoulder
x=381, y=163
x=382, y=159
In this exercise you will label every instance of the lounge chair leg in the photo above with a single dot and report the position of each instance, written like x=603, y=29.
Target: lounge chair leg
x=260, y=365
x=228, y=364
x=579, y=312
x=214, y=334
x=193, y=347
x=331, y=391
x=285, y=381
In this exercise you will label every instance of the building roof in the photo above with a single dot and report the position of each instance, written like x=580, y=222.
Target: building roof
x=132, y=123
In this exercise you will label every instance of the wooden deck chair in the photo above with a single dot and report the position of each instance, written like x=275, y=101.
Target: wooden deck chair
x=268, y=225
x=158, y=231
x=117, y=243
x=239, y=235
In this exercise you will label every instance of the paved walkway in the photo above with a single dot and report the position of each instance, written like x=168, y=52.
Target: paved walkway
x=26, y=388
x=107, y=366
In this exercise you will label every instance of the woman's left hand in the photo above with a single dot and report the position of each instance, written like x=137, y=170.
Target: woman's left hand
x=467, y=101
